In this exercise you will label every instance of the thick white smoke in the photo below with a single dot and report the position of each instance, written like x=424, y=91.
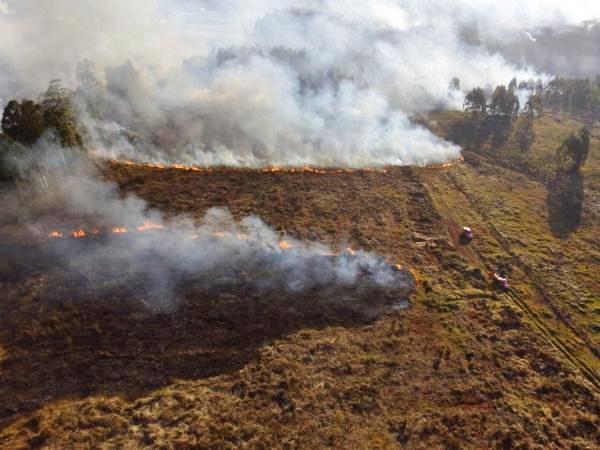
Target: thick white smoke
x=326, y=83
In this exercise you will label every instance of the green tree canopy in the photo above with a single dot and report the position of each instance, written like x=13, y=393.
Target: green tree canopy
x=574, y=151
x=475, y=102
x=23, y=121
x=504, y=102
x=534, y=107
x=59, y=115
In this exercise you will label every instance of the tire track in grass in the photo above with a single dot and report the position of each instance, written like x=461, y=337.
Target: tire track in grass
x=588, y=372
x=523, y=266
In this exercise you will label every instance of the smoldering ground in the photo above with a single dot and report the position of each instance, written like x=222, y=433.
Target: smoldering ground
x=91, y=237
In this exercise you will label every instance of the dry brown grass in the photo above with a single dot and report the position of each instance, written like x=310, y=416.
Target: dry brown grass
x=465, y=367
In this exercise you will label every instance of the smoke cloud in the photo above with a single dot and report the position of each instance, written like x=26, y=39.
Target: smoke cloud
x=89, y=228
x=289, y=83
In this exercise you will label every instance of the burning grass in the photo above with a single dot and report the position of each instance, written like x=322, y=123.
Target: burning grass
x=269, y=169
x=87, y=363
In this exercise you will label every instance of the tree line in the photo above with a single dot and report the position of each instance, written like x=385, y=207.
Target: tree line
x=562, y=95
x=574, y=96
x=504, y=102
x=501, y=106
x=578, y=96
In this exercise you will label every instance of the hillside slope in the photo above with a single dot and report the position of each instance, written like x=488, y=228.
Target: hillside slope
x=465, y=366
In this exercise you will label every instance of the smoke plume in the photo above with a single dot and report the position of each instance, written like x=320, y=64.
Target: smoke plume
x=89, y=228
x=290, y=83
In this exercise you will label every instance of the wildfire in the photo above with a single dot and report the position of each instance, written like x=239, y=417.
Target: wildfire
x=446, y=165
x=270, y=169
x=415, y=276
x=150, y=226
x=320, y=171
x=129, y=162
x=294, y=169
x=284, y=245
x=78, y=233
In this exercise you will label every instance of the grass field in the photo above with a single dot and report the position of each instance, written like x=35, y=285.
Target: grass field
x=465, y=366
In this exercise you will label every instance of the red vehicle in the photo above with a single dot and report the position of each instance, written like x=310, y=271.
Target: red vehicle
x=501, y=280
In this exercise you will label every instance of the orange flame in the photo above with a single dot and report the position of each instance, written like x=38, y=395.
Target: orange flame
x=147, y=225
x=283, y=245
x=55, y=234
x=415, y=275
x=412, y=271
x=159, y=166
x=119, y=230
x=304, y=169
x=446, y=165
x=320, y=171
x=78, y=233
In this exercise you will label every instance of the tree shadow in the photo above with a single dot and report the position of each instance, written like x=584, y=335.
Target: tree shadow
x=63, y=337
x=565, y=203
x=468, y=133
x=500, y=128
x=472, y=133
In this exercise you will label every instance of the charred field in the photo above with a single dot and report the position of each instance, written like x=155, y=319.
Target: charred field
x=86, y=363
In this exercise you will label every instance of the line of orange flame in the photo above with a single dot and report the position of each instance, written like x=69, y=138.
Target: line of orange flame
x=320, y=171
x=446, y=165
x=150, y=226
x=283, y=244
x=270, y=169
x=146, y=226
